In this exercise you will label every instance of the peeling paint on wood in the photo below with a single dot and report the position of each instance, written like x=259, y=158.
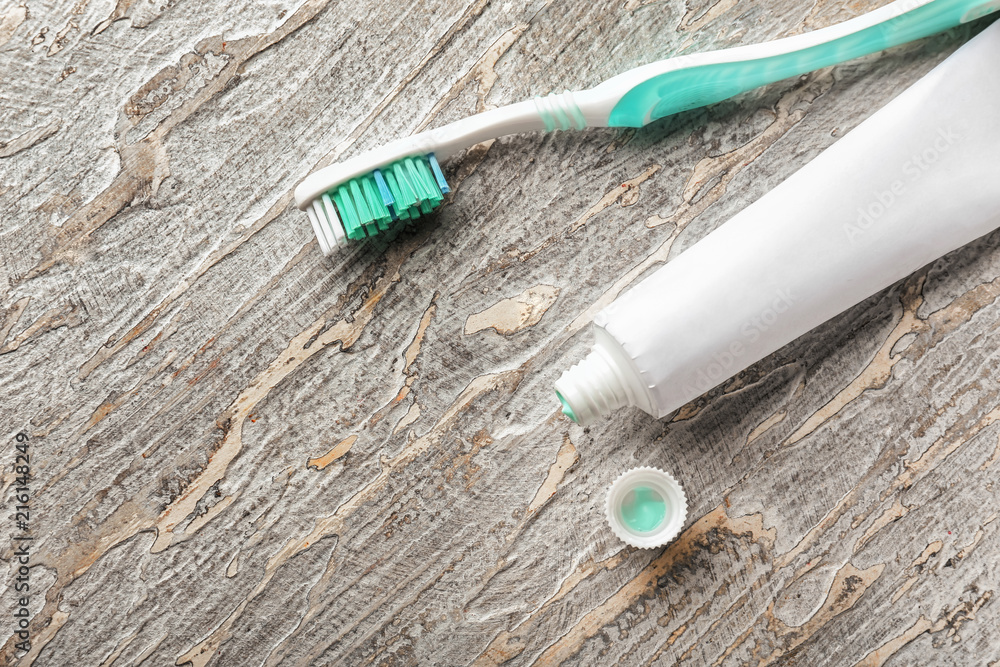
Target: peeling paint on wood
x=519, y=312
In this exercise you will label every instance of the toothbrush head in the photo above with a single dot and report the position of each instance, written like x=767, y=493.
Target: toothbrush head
x=385, y=198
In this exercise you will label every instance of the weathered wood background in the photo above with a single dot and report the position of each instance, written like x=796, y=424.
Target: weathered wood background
x=247, y=454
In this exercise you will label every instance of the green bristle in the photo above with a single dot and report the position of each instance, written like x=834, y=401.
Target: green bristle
x=348, y=214
x=402, y=211
x=360, y=205
x=423, y=179
x=405, y=187
x=379, y=212
x=414, y=188
x=413, y=177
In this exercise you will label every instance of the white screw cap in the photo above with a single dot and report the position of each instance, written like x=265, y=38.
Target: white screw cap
x=646, y=507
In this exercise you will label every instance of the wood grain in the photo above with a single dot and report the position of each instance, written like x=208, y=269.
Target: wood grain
x=247, y=454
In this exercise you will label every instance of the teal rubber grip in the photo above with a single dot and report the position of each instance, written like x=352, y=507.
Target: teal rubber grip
x=692, y=87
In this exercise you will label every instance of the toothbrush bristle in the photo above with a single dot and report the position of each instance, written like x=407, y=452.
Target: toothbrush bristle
x=378, y=201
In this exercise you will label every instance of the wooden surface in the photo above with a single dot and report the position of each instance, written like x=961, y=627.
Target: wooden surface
x=247, y=454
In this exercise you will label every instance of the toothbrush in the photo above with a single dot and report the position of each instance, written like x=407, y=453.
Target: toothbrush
x=401, y=181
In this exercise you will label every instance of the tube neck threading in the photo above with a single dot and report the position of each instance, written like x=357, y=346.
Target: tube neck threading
x=591, y=388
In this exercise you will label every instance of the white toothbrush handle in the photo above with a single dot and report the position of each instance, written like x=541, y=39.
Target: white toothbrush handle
x=663, y=88
x=653, y=91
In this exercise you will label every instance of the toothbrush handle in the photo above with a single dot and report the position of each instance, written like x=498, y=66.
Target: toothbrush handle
x=660, y=89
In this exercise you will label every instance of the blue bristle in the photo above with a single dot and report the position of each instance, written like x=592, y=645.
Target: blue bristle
x=438, y=174
x=387, y=199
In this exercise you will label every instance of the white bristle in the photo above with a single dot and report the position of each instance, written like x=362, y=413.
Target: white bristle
x=339, y=235
x=324, y=226
x=323, y=245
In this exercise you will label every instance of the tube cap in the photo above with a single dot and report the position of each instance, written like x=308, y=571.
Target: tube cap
x=646, y=507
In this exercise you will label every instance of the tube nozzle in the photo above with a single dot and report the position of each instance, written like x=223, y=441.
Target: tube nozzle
x=591, y=388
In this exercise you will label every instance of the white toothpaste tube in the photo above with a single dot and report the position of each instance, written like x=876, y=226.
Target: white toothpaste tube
x=918, y=179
